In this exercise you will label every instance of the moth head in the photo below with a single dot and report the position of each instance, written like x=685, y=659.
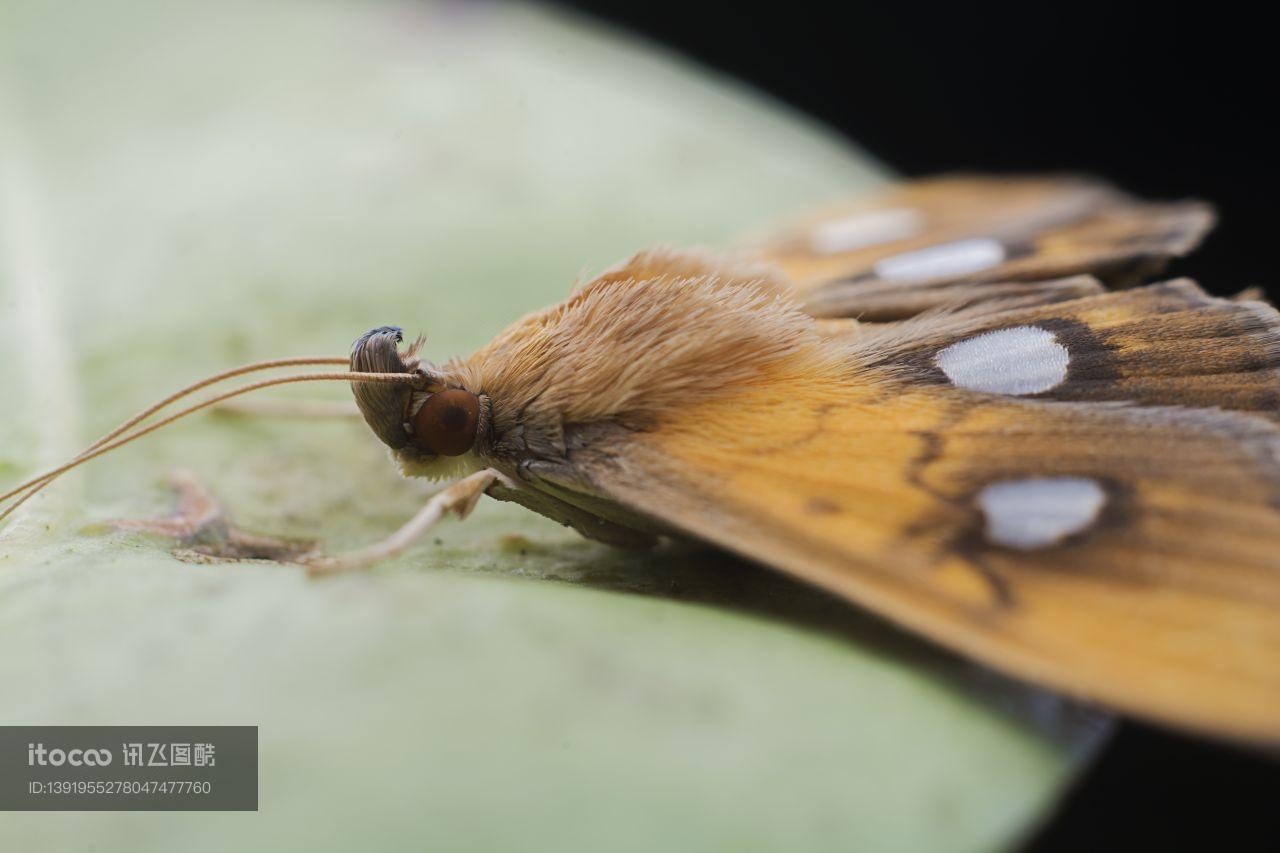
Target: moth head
x=429, y=416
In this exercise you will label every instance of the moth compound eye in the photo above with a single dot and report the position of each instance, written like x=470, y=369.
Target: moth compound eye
x=446, y=423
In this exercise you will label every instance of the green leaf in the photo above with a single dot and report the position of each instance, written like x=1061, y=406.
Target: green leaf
x=186, y=186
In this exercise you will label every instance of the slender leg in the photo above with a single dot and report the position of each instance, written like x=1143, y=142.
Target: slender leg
x=459, y=498
x=196, y=511
x=204, y=531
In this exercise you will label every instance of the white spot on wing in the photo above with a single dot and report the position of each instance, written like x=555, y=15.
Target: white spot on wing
x=1020, y=360
x=1040, y=511
x=945, y=261
x=865, y=229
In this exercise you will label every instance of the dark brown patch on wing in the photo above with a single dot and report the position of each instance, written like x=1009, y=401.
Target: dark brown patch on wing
x=821, y=506
x=1167, y=344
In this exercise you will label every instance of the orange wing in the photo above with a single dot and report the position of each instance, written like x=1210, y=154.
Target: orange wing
x=973, y=478
x=906, y=250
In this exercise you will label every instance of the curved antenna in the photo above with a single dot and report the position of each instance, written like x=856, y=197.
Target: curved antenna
x=121, y=436
x=300, y=361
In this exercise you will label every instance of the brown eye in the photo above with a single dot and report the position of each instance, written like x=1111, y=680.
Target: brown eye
x=446, y=423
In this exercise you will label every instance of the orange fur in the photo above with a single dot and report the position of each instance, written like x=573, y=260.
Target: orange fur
x=657, y=333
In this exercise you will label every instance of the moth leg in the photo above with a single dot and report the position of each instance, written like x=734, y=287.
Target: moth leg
x=289, y=408
x=459, y=498
x=205, y=532
x=590, y=525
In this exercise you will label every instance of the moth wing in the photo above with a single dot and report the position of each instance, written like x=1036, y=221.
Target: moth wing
x=1124, y=552
x=1164, y=344
x=936, y=242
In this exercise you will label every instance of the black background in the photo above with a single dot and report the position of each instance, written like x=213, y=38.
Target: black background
x=1168, y=102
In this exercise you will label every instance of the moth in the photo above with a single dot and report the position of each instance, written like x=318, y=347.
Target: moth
x=953, y=404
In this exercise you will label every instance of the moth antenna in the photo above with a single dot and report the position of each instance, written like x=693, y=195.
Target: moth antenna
x=297, y=361
x=213, y=379
x=118, y=438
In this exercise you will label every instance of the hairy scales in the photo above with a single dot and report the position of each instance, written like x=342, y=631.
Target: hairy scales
x=653, y=335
